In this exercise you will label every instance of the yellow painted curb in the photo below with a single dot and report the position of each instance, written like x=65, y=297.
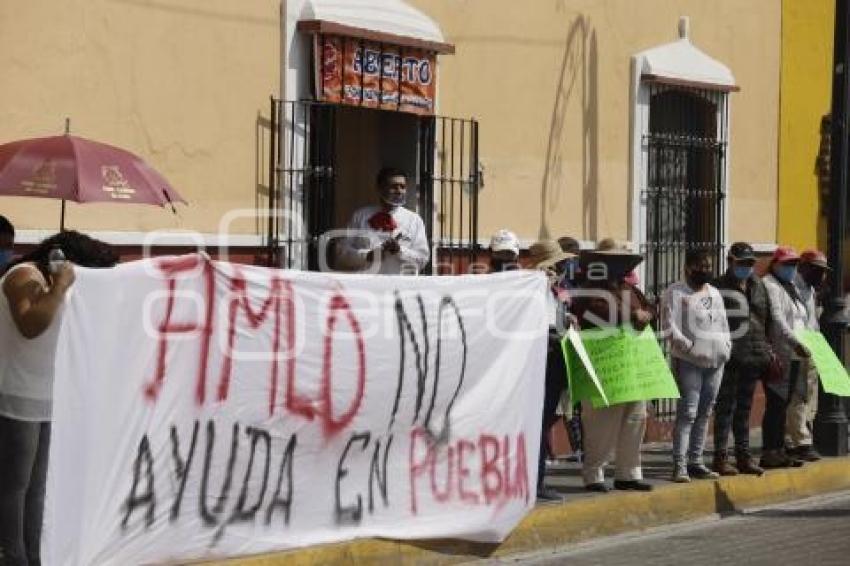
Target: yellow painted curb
x=550, y=526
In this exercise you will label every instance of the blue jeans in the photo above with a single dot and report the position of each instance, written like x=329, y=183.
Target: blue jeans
x=698, y=388
x=23, y=477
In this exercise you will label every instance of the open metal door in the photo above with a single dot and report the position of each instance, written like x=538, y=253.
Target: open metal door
x=302, y=176
x=450, y=181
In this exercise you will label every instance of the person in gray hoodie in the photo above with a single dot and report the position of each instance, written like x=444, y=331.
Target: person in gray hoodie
x=693, y=320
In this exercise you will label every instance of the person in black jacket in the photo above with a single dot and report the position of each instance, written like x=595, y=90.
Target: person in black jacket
x=748, y=311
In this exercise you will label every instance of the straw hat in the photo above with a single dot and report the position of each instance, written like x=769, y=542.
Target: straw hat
x=612, y=246
x=547, y=253
x=616, y=255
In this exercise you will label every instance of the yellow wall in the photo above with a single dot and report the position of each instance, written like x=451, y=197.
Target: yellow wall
x=179, y=82
x=807, y=41
x=549, y=81
x=185, y=84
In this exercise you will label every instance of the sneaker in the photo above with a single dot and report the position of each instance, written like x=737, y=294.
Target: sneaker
x=680, y=475
x=546, y=494
x=700, y=472
x=598, y=487
x=632, y=485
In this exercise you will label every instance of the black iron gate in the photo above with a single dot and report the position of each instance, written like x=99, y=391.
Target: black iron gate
x=302, y=180
x=451, y=179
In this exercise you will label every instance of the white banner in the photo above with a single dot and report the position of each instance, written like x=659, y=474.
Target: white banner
x=206, y=409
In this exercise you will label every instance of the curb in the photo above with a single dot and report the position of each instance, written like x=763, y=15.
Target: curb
x=551, y=526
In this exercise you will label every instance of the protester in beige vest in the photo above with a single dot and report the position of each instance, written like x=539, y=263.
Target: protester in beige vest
x=606, y=300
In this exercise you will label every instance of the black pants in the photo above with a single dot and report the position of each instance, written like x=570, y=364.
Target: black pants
x=23, y=476
x=732, y=409
x=556, y=382
x=773, y=424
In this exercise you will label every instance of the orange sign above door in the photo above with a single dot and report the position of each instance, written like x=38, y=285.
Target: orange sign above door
x=364, y=73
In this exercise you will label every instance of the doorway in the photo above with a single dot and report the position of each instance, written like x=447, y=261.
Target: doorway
x=326, y=169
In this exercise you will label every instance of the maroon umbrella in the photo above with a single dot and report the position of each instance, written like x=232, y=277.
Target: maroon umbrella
x=80, y=170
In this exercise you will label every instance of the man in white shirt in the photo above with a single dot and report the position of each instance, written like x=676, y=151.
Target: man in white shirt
x=386, y=238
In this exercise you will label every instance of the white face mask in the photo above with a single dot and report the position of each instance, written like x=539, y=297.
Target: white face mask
x=394, y=201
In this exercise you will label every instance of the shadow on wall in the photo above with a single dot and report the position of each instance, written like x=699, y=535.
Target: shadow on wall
x=579, y=70
x=262, y=180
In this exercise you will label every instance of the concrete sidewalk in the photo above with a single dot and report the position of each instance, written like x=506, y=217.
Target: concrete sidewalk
x=585, y=515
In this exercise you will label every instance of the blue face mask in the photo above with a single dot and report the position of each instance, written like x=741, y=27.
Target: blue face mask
x=742, y=271
x=785, y=272
x=5, y=258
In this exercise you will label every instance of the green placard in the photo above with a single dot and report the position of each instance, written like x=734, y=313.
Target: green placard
x=832, y=372
x=630, y=367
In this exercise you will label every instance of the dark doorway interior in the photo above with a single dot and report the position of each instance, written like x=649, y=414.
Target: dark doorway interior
x=326, y=169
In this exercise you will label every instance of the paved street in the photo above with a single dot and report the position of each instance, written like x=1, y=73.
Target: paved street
x=814, y=532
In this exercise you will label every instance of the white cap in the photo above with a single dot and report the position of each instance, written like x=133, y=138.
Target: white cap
x=504, y=240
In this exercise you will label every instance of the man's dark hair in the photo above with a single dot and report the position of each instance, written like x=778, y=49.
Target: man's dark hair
x=387, y=173
x=78, y=248
x=6, y=227
x=695, y=257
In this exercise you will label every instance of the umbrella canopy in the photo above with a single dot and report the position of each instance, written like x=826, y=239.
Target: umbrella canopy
x=80, y=170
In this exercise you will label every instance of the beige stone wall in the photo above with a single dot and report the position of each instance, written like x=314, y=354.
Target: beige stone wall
x=549, y=81
x=183, y=83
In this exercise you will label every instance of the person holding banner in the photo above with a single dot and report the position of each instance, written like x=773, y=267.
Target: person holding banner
x=387, y=238
x=693, y=320
x=604, y=300
x=788, y=311
x=34, y=290
x=802, y=407
x=547, y=256
x=748, y=312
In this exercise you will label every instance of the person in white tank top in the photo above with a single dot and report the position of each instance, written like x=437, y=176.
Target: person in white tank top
x=31, y=307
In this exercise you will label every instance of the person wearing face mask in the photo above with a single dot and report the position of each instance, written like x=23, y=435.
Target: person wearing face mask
x=34, y=290
x=386, y=238
x=7, y=241
x=802, y=406
x=547, y=256
x=693, y=319
x=504, y=251
x=748, y=312
x=605, y=301
x=788, y=311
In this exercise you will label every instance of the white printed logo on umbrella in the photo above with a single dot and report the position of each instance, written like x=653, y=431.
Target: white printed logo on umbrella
x=115, y=184
x=43, y=179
